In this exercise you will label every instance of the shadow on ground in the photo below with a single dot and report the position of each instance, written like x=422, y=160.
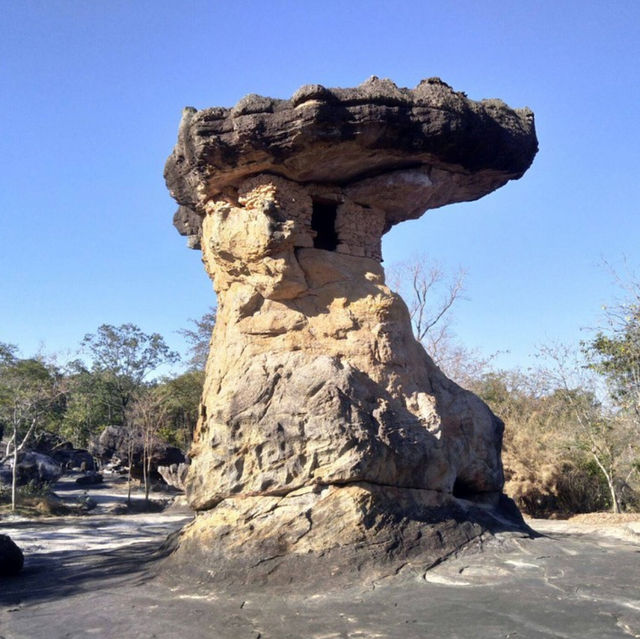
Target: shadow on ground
x=51, y=576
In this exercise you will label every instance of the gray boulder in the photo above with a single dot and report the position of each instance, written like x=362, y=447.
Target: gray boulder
x=63, y=452
x=34, y=467
x=89, y=479
x=113, y=444
x=174, y=475
x=5, y=474
x=75, y=458
x=11, y=557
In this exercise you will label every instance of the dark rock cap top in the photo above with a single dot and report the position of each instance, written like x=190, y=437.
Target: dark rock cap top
x=344, y=136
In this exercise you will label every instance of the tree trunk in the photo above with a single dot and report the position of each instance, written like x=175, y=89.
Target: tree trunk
x=14, y=473
x=145, y=472
x=615, y=504
x=130, y=460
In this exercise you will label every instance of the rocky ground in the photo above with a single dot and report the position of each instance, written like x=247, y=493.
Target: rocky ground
x=102, y=575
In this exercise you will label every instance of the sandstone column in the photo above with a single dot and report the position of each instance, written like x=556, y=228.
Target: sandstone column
x=328, y=439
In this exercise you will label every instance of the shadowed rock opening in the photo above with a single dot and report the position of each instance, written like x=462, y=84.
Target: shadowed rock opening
x=323, y=222
x=464, y=490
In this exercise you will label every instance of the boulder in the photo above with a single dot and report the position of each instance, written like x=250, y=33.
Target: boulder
x=89, y=479
x=174, y=475
x=32, y=467
x=112, y=446
x=63, y=452
x=75, y=459
x=328, y=439
x=6, y=474
x=11, y=557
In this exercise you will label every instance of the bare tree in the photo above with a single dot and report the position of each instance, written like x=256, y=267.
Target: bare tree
x=199, y=338
x=431, y=295
x=148, y=413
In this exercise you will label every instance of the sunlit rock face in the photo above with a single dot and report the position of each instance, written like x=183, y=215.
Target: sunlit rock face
x=328, y=439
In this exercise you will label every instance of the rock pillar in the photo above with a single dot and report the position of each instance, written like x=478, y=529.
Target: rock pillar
x=328, y=439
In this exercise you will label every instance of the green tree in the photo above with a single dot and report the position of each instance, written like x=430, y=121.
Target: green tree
x=89, y=404
x=182, y=396
x=7, y=353
x=616, y=356
x=122, y=358
x=29, y=399
x=595, y=423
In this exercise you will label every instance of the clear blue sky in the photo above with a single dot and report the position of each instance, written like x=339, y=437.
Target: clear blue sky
x=91, y=99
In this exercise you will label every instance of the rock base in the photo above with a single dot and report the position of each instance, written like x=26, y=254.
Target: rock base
x=333, y=533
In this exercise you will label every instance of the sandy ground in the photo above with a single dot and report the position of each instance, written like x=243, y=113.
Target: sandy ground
x=101, y=530
x=101, y=576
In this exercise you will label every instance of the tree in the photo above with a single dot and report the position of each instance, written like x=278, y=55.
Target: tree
x=594, y=425
x=28, y=395
x=616, y=356
x=89, y=404
x=8, y=353
x=548, y=466
x=431, y=294
x=148, y=414
x=199, y=339
x=124, y=356
x=182, y=396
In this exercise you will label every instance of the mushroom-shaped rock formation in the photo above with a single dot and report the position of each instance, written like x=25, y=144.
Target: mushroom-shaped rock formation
x=328, y=439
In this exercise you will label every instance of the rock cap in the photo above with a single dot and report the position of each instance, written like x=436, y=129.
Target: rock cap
x=349, y=137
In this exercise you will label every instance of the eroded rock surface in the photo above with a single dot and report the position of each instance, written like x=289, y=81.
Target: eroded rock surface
x=400, y=151
x=326, y=430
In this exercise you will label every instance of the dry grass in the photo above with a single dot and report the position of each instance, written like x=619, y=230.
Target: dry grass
x=605, y=518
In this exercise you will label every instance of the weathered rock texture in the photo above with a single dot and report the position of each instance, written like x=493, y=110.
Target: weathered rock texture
x=328, y=438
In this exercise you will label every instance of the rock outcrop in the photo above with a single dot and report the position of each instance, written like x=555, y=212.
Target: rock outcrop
x=120, y=446
x=33, y=467
x=328, y=439
x=63, y=452
x=174, y=475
